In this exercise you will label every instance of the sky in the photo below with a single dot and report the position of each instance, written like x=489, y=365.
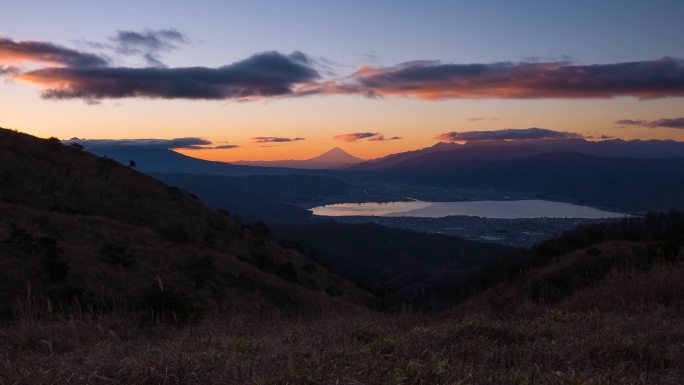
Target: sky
x=266, y=80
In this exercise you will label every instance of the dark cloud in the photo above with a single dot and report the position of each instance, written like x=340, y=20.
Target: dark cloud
x=150, y=44
x=43, y=52
x=434, y=80
x=159, y=144
x=665, y=123
x=670, y=123
x=262, y=75
x=275, y=139
x=270, y=74
x=506, y=134
x=371, y=136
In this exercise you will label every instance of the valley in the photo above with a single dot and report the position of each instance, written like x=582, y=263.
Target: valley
x=93, y=245
x=510, y=232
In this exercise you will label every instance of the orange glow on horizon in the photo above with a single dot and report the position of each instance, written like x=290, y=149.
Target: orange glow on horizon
x=319, y=120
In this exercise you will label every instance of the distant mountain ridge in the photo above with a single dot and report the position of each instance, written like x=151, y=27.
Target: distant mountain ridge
x=449, y=155
x=168, y=161
x=333, y=158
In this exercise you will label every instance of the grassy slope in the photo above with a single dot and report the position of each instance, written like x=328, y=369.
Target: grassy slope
x=600, y=305
x=556, y=347
x=72, y=223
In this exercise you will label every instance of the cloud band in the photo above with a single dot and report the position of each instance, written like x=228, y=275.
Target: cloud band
x=506, y=134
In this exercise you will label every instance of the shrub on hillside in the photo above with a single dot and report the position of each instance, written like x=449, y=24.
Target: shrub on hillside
x=160, y=303
x=116, y=255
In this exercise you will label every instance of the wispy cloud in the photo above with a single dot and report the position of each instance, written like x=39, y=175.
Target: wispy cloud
x=380, y=138
x=665, y=123
x=149, y=44
x=356, y=136
x=275, y=139
x=9, y=70
x=479, y=119
x=218, y=147
x=190, y=143
x=506, y=134
x=12, y=51
x=370, y=136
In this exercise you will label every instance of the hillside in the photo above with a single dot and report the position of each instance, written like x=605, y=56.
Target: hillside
x=74, y=225
x=621, y=265
x=259, y=197
x=377, y=253
x=598, y=305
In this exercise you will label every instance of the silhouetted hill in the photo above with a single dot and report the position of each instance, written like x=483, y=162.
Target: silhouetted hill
x=375, y=252
x=621, y=265
x=169, y=161
x=259, y=198
x=333, y=158
x=74, y=225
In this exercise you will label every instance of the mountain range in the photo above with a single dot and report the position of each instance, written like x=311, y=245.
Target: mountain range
x=439, y=157
x=446, y=156
x=630, y=176
x=163, y=160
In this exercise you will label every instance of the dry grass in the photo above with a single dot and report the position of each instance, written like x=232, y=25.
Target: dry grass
x=361, y=348
x=625, y=328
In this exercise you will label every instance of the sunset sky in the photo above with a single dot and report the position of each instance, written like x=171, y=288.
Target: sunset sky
x=280, y=80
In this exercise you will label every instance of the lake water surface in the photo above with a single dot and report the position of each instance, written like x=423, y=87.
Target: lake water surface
x=533, y=208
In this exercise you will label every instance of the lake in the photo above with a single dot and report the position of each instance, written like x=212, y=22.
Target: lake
x=532, y=208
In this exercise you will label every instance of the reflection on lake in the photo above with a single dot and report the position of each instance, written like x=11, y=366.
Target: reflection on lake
x=487, y=209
